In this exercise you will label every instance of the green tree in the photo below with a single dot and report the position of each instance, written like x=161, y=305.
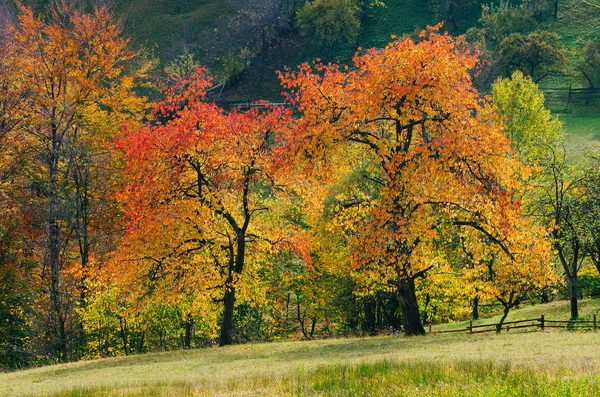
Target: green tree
x=539, y=54
x=560, y=203
x=591, y=208
x=330, y=21
x=531, y=128
x=449, y=9
x=498, y=21
x=588, y=62
x=539, y=7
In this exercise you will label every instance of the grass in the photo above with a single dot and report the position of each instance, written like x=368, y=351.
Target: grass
x=166, y=27
x=535, y=363
x=558, y=310
x=576, y=18
x=582, y=132
x=386, y=378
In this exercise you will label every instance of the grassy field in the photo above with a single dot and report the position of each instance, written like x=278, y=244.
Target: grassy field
x=582, y=132
x=558, y=310
x=557, y=363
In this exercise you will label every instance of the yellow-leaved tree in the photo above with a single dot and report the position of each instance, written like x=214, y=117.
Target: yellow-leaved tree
x=441, y=161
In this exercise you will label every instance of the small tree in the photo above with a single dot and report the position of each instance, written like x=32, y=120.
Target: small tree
x=561, y=194
x=539, y=7
x=531, y=128
x=588, y=62
x=539, y=54
x=449, y=9
x=330, y=21
x=498, y=21
x=202, y=184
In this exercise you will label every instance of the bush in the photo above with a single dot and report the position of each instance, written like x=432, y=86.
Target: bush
x=330, y=22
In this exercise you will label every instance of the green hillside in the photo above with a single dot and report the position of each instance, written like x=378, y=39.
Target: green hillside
x=557, y=363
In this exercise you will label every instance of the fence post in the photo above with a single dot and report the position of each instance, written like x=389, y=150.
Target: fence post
x=429, y=328
x=595, y=323
x=470, y=326
x=542, y=322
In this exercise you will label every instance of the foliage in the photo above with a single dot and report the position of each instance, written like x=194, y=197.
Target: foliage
x=530, y=127
x=589, y=282
x=559, y=203
x=16, y=293
x=255, y=27
x=449, y=9
x=588, y=62
x=538, y=54
x=404, y=106
x=498, y=21
x=198, y=205
x=70, y=74
x=538, y=7
x=386, y=194
x=330, y=21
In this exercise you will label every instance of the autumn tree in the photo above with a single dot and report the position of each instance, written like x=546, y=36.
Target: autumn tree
x=198, y=203
x=412, y=107
x=75, y=94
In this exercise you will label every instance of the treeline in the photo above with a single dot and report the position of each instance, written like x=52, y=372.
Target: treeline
x=137, y=215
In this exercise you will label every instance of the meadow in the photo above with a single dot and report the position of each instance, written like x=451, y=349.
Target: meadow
x=549, y=363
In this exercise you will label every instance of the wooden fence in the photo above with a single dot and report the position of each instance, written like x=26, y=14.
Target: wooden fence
x=243, y=106
x=542, y=323
x=565, y=99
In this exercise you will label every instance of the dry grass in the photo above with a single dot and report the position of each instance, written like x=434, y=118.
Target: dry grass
x=268, y=369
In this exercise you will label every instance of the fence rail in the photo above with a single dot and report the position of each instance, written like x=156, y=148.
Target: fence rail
x=540, y=322
x=568, y=99
x=251, y=104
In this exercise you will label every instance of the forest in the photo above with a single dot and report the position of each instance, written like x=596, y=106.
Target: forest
x=286, y=169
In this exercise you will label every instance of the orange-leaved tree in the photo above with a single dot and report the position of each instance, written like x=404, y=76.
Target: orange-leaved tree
x=75, y=91
x=202, y=183
x=440, y=160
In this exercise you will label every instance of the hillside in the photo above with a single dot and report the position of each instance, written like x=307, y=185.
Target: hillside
x=532, y=363
x=167, y=27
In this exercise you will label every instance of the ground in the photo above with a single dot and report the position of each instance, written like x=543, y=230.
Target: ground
x=560, y=363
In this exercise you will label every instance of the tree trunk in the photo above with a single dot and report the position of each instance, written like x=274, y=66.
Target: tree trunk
x=476, y=308
x=504, y=315
x=263, y=50
x=188, y=333
x=410, y=307
x=451, y=15
x=313, y=327
x=301, y=318
x=574, y=292
x=123, y=324
x=57, y=315
x=226, y=337
x=555, y=10
x=370, y=315
x=139, y=346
